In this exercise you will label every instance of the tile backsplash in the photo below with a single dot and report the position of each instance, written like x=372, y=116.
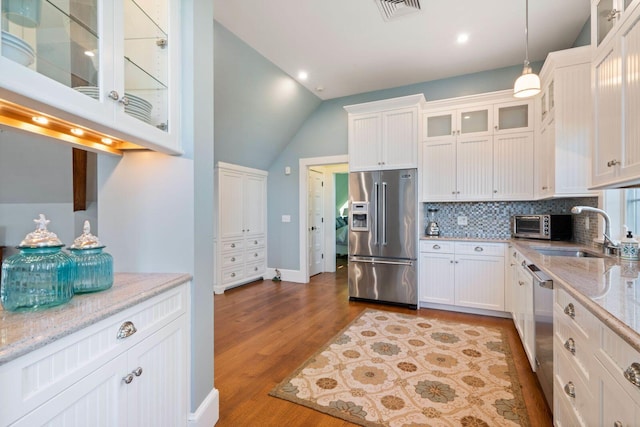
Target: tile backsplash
x=491, y=220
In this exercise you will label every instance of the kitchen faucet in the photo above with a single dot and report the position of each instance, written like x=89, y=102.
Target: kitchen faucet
x=608, y=246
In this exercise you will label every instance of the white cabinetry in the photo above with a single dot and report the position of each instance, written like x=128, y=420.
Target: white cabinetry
x=127, y=88
x=616, y=91
x=241, y=206
x=563, y=150
x=462, y=274
x=522, y=306
x=385, y=134
x=477, y=148
x=92, y=377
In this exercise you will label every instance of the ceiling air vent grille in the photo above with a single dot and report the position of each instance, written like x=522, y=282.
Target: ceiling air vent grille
x=393, y=9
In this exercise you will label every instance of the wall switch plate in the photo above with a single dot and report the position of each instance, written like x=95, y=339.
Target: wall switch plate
x=286, y=218
x=462, y=220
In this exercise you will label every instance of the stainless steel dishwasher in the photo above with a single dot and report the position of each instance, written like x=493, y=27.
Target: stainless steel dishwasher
x=543, y=316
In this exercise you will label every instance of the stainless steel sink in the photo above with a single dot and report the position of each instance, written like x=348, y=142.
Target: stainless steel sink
x=575, y=253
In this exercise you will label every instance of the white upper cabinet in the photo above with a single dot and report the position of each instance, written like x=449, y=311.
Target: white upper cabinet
x=514, y=116
x=616, y=103
x=607, y=15
x=467, y=121
x=385, y=134
x=109, y=66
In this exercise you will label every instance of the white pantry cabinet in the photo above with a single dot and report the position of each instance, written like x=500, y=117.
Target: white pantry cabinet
x=241, y=230
x=477, y=148
x=127, y=370
x=616, y=91
x=384, y=134
x=462, y=274
x=112, y=66
x=563, y=150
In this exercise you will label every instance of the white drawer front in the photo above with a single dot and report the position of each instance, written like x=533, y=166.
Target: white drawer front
x=572, y=341
x=232, y=259
x=230, y=275
x=38, y=376
x=575, y=313
x=480, y=248
x=566, y=382
x=617, y=356
x=436, y=247
x=255, y=242
x=232, y=245
x=254, y=255
x=255, y=269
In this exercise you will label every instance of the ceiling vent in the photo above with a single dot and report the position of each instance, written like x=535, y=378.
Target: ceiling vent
x=394, y=9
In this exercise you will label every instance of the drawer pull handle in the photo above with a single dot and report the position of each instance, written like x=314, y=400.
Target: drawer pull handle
x=255, y=242
x=520, y=282
x=632, y=374
x=255, y=255
x=128, y=379
x=126, y=330
x=233, y=274
x=618, y=424
x=570, y=389
x=523, y=263
x=137, y=372
x=233, y=245
x=255, y=268
x=233, y=259
x=570, y=310
x=436, y=247
x=570, y=345
x=478, y=249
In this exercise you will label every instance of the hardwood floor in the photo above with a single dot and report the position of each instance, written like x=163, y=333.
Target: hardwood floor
x=264, y=330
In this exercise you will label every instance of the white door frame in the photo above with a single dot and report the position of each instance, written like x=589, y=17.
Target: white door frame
x=304, y=165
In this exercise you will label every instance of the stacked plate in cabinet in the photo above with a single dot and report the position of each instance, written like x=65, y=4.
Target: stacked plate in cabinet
x=16, y=49
x=137, y=107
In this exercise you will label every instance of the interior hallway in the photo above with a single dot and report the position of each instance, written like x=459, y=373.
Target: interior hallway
x=265, y=330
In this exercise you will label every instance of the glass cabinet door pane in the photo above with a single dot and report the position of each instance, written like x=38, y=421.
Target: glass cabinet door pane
x=146, y=61
x=56, y=38
x=439, y=126
x=513, y=117
x=605, y=21
x=474, y=121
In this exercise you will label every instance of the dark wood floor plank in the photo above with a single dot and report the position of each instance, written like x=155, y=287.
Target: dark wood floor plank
x=265, y=330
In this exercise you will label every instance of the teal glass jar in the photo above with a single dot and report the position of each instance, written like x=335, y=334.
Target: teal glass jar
x=36, y=278
x=94, y=269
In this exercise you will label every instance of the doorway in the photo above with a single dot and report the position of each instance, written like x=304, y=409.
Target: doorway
x=318, y=246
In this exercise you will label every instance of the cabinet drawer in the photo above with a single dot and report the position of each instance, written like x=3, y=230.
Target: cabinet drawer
x=232, y=245
x=436, y=247
x=232, y=274
x=480, y=248
x=617, y=356
x=566, y=381
x=573, y=342
x=42, y=374
x=254, y=269
x=254, y=255
x=254, y=242
x=569, y=309
x=232, y=259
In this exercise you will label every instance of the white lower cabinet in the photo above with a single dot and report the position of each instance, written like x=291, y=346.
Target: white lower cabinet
x=94, y=378
x=462, y=274
x=522, y=293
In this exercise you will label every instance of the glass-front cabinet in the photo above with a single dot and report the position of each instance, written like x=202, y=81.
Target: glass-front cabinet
x=112, y=65
x=606, y=15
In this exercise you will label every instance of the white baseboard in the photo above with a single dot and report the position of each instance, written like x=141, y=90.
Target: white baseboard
x=287, y=275
x=468, y=310
x=207, y=413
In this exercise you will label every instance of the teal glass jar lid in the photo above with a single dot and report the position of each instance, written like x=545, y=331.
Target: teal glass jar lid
x=94, y=268
x=40, y=275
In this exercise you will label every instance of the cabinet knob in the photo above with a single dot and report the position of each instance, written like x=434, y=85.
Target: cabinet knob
x=137, y=372
x=233, y=274
x=570, y=345
x=520, y=282
x=613, y=15
x=632, y=374
x=114, y=95
x=478, y=249
x=233, y=259
x=255, y=268
x=451, y=262
x=545, y=187
x=570, y=310
x=456, y=262
x=436, y=247
x=613, y=162
x=124, y=100
x=496, y=127
x=618, y=424
x=458, y=132
x=453, y=192
x=126, y=330
x=255, y=255
x=127, y=379
x=255, y=242
x=570, y=389
x=495, y=191
x=233, y=245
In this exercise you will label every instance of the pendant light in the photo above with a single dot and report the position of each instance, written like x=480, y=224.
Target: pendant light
x=528, y=84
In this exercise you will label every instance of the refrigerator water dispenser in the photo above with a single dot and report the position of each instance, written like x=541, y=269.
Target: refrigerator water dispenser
x=360, y=216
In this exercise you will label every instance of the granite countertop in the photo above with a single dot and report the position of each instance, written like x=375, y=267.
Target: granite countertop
x=22, y=332
x=608, y=287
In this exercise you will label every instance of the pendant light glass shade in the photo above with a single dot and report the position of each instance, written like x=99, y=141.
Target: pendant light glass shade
x=528, y=84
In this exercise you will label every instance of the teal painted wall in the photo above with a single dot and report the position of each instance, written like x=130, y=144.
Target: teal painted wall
x=258, y=108
x=342, y=190
x=584, y=38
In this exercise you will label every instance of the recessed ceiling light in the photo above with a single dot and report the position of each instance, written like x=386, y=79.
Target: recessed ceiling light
x=302, y=75
x=462, y=38
x=40, y=120
x=77, y=131
x=107, y=141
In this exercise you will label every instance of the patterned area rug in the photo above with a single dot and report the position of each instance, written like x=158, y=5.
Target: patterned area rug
x=390, y=369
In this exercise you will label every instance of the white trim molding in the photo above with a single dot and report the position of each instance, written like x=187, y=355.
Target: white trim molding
x=208, y=413
x=286, y=275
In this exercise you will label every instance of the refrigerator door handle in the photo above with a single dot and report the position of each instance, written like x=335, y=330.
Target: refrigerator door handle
x=381, y=261
x=376, y=192
x=384, y=214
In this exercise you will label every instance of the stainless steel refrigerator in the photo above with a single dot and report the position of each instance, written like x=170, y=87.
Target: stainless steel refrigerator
x=383, y=236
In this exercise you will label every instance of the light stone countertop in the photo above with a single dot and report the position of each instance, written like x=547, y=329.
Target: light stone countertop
x=465, y=239
x=22, y=332
x=608, y=287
